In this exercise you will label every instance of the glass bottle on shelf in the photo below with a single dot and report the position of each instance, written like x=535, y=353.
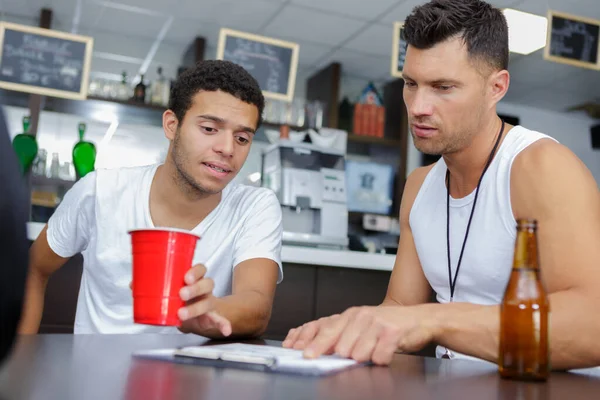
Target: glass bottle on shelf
x=124, y=92
x=160, y=89
x=139, y=93
x=39, y=165
x=84, y=154
x=54, y=167
x=94, y=87
x=25, y=146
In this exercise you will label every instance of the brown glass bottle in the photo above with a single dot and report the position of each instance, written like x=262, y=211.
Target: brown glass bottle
x=524, y=313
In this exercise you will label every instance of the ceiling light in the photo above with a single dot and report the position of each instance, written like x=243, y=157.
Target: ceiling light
x=526, y=32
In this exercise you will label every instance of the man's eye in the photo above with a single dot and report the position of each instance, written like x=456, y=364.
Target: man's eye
x=242, y=140
x=208, y=129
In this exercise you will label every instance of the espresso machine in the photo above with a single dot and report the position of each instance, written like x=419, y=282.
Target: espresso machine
x=310, y=183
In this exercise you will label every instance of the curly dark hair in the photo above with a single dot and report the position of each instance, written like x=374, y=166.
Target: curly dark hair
x=213, y=75
x=482, y=27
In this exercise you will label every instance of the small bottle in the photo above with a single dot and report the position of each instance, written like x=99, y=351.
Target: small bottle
x=139, y=93
x=84, y=154
x=124, y=92
x=54, y=167
x=524, y=313
x=26, y=147
x=160, y=90
x=39, y=167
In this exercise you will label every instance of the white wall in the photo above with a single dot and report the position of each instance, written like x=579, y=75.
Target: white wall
x=570, y=129
x=130, y=145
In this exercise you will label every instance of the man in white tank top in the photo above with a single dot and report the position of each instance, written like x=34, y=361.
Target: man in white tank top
x=215, y=108
x=455, y=73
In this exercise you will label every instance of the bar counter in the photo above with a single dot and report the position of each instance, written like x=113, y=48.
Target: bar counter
x=102, y=367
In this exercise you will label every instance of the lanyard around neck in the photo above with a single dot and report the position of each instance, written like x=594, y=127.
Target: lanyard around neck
x=452, y=282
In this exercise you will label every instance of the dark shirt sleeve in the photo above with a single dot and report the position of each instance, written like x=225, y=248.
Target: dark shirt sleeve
x=14, y=246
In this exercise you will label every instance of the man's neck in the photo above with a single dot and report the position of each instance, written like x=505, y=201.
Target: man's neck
x=173, y=204
x=466, y=165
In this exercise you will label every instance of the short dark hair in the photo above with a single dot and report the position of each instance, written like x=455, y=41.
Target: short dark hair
x=482, y=27
x=213, y=75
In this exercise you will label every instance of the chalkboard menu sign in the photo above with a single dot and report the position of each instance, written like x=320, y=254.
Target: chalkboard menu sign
x=272, y=62
x=398, y=50
x=43, y=61
x=573, y=40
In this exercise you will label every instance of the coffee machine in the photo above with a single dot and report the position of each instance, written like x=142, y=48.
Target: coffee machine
x=310, y=183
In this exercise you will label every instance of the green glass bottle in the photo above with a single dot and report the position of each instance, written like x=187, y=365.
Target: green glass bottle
x=84, y=154
x=25, y=146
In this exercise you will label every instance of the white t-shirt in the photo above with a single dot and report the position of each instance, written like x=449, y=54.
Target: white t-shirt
x=94, y=219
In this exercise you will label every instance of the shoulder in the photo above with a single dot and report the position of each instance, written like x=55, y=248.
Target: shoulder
x=545, y=172
x=117, y=182
x=411, y=189
x=84, y=187
x=547, y=158
x=125, y=173
x=253, y=197
x=417, y=177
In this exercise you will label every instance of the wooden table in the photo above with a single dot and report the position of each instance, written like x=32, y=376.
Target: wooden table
x=101, y=367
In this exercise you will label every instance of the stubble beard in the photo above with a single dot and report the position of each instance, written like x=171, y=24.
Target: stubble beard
x=447, y=145
x=185, y=181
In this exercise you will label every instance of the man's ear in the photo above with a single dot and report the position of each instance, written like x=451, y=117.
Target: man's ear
x=499, y=83
x=170, y=124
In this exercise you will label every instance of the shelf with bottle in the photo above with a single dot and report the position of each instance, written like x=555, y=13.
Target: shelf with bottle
x=301, y=115
x=153, y=96
x=25, y=146
x=49, y=174
x=366, y=118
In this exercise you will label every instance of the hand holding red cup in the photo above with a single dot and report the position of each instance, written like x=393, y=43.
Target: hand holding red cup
x=166, y=291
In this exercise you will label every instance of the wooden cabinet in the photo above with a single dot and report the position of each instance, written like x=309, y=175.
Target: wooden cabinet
x=60, y=301
x=310, y=292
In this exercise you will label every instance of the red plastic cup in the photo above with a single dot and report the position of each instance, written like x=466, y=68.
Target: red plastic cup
x=161, y=257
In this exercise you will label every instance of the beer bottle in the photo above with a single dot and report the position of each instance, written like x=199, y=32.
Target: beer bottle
x=524, y=312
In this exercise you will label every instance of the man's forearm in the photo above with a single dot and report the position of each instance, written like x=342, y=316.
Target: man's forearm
x=249, y=314
x=33, y=305
x=474, y=330
x=466, y=328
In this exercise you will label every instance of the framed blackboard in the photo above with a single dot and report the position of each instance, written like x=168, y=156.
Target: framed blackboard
x=398, y=50
x=43, y=61
x=573, y=40
x=272, y=62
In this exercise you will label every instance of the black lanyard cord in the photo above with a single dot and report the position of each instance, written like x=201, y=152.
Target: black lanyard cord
x=489, y=161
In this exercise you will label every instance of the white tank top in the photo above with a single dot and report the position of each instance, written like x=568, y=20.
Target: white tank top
x=488, y=254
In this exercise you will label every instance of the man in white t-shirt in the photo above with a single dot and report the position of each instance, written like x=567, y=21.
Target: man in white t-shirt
x=214, y=111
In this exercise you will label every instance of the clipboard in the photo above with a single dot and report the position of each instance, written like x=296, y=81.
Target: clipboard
x=253, y=357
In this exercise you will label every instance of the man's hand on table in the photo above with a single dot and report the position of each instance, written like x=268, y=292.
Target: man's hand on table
x=364, y=334
x=199, y=314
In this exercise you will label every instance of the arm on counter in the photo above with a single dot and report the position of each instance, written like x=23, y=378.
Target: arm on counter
x=256, y=272
x=43, y=262
x=548, y=183
x=408, y=285
x=66, y=234
x=244, y=313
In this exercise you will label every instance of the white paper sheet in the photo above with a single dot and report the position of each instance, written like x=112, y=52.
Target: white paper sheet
x=277, y=358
